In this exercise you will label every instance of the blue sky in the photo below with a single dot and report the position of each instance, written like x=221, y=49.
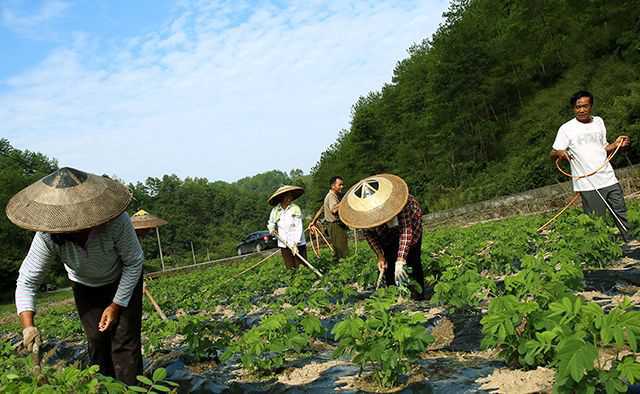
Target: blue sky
x=216, y=89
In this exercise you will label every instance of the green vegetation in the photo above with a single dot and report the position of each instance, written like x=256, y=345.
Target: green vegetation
x=525, y=293
x=263, y=348
x=472, y=112
x=387, y=342
x=21, y=375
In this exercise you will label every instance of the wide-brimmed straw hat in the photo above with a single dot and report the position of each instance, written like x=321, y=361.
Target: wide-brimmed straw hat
x=275, y=198
x=373, y=201
x=143, y=220
x=68, y=200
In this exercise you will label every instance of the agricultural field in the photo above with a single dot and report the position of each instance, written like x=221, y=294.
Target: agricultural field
x=512, y=311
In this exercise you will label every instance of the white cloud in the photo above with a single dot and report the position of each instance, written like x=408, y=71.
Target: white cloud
x=28, y=23
x=228, y=89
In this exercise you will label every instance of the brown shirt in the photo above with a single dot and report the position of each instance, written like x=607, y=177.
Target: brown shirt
x=330, y=202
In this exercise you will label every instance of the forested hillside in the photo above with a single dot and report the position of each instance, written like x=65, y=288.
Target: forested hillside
x=472, y=112
x=18, y=169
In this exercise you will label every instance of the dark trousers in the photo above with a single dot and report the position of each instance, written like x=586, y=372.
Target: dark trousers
x=339, y=242
x=414, y=260
x=291, y=261
x=593, y=205
x=117, y=351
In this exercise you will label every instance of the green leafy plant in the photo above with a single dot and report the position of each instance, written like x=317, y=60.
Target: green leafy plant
x=387, y=342
x=205, y=338
x=18, y=374
x=462, y=288
x=157, y=383
x=264, y=348
x=570, y=335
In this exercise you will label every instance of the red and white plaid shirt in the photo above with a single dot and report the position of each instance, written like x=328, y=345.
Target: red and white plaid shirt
x=409, y=229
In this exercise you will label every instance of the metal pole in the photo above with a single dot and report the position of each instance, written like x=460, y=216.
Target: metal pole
x=160, y=249
x=193, y=253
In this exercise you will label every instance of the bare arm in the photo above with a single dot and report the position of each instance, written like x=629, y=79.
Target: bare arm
x=316, y=217
x=560, y=154
x=624, y=141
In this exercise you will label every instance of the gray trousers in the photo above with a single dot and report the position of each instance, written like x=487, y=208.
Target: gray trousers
x=593, y=205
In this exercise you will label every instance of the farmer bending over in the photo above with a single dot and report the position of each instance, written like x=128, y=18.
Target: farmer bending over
x=392, y=219
x=80, y=219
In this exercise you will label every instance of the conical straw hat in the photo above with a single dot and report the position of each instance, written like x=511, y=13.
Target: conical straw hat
x=282, y=190
x=373, y=201
x=143, y=220
x=68, y=200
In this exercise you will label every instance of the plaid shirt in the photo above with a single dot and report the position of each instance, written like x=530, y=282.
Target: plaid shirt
x=409, y=230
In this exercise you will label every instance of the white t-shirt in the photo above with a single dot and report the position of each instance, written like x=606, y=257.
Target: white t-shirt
x=586, y=142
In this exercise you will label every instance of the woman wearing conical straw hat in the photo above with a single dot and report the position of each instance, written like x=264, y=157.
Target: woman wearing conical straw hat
x=392, y=223
x=80, y=219
x=286, y=220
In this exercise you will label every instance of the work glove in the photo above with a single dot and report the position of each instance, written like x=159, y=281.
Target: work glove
x=294, y=249
x=400, y=272
x=30, y=338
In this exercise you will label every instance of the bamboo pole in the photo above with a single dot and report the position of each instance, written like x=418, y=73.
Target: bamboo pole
x=160, y=249
x=153, y=302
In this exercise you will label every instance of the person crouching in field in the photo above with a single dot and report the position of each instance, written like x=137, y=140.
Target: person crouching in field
x=285, y=221
x=80, y=219
x=392, y=219
x=582, y=141
x=337, y=230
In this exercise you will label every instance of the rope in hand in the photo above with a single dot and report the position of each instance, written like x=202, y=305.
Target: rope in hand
x=315, y=234
x=576, y=177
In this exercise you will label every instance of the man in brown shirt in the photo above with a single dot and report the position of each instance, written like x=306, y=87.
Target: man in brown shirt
x=337, y=230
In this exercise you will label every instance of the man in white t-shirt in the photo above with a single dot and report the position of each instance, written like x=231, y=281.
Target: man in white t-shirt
x=583, y=142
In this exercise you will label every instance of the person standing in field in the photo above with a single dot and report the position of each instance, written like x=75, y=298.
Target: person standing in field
x=80, y=219
x=582, y=141
x=336, y=228
x=392, y=223
x=285, y=220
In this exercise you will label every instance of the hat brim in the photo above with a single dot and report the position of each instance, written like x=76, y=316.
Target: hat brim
x=278, y=195
x=363, y=219
x=96, y=202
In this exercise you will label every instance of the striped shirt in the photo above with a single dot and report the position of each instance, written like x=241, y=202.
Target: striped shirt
x=112, y=253
x=408, y=231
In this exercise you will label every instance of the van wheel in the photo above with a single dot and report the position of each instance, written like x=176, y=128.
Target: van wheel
x=258, y=248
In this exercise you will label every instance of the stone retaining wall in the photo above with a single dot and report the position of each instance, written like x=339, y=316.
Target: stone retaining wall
x=536, y=200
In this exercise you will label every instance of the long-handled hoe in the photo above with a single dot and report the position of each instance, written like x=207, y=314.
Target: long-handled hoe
x=298, y=255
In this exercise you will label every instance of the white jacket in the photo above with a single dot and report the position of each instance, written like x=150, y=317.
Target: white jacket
x=288, y=223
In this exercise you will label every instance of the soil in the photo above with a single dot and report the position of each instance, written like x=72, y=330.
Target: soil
x=509, y=381
x=307, y=373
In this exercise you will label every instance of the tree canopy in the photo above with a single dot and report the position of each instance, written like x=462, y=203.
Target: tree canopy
x=472, y=112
